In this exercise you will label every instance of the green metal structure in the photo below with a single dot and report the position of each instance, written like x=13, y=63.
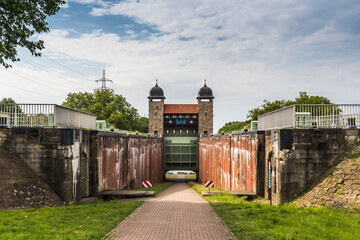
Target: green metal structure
x=181, y=153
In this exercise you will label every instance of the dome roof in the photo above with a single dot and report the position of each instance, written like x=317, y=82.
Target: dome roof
x=156, y=92
x=205, y=92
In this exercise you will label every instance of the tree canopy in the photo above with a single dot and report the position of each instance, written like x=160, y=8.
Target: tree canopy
x=233, y=126
x=7, y=100
x=108, y=106
x=269, y=106
x=19, y=21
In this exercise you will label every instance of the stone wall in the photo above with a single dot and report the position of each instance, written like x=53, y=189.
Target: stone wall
x=156, y=117
x=339, y=186
x=205, y=112
x=299, y=156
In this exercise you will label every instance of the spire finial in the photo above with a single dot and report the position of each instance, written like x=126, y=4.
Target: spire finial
x=156, y=82
x=204, y=82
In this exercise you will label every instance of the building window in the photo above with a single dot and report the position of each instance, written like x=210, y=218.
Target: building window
x=167, y=116
x=181, y=116
x=205, y=114
x=180, y=131
x=167, y=131
x=174, y=131
x=187, y=116
x=194, y=116
x=187, y=130
x=174, y=116
x=194, y=131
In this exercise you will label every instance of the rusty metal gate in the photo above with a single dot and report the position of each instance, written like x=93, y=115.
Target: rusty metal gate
x=230, y=161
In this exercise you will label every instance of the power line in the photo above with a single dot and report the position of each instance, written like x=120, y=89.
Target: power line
x=66, y=66
x=44, y=69
x=36, y=82
x=27, y=90
x=31, y=78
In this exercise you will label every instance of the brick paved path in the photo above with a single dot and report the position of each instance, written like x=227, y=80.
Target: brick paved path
x=177, y=213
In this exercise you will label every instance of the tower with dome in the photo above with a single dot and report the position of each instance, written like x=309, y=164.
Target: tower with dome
x=180, y=125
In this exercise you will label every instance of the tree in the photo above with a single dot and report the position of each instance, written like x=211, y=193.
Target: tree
x=233, y=126
x=110, y=107
x=19, y=21
x=7, y=100
x=268, y=106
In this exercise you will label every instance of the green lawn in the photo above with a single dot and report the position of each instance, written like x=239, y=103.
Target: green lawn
x=88, y=221
x=170, y=176
x=190, y=176
x=253, y=220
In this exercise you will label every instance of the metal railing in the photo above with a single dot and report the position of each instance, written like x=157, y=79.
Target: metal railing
x=44, y=115
x=312, y=116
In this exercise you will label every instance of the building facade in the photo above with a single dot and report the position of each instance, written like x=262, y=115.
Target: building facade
x=194, y=120
x=181, y=125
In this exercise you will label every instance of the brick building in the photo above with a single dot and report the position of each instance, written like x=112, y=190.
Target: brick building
x=181, y=125
x=180, y=119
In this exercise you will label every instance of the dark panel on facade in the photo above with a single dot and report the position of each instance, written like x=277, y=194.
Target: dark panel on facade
x=285, y=139
x=67, y=136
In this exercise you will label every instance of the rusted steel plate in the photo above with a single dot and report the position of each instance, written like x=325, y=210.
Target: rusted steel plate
x=126, y=161
x=229, y=161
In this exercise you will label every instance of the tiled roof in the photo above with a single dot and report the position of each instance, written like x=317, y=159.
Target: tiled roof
x=180, y=108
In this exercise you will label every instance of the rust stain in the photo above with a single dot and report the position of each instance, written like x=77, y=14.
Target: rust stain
x=230, y=161
x=126, y=161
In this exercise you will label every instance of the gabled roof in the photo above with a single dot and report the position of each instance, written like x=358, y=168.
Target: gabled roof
x=180, y=108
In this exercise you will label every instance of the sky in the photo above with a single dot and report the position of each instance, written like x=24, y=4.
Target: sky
x=247, y=50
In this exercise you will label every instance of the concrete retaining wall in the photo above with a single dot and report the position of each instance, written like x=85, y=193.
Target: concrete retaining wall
x=299, y=156
x=54, y=155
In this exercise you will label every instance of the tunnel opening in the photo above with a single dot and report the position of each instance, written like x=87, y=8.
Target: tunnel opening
x=180, y=176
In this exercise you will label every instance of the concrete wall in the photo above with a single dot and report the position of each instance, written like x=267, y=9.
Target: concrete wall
x=126, y=161
x=233, y=162
x=299, y=156
x=55, y=161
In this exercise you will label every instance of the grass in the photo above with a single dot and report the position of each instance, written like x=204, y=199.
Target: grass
x=190, y=176
x=170, y=176
x=88, y=221
x=253, y=220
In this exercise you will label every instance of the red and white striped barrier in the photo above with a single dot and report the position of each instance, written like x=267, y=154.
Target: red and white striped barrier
x=209, y=184
x=147, y=184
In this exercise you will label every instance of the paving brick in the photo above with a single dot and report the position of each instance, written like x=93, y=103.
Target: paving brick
x=178, y=213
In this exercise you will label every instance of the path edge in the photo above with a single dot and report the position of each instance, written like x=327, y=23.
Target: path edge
x=109, y=236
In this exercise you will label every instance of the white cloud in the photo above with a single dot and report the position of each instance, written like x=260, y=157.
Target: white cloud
x=247, y=50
